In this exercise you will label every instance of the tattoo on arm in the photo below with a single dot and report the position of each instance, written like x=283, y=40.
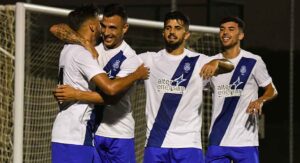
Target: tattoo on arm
x=67, y=34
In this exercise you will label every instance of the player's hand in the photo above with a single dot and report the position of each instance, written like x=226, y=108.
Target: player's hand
x=209, y=69
x=142, y=72
x=255, y=107
x=252, y=121
x=66, y=93
x=91, y=48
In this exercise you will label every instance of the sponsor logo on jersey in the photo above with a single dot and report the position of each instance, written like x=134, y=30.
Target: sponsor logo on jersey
x=230, y=90
x=109, y=74
x=171, y=86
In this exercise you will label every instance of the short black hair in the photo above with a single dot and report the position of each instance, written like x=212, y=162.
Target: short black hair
x=239, y=21
x=79, y=15
x=177, y=15
x=115, y=9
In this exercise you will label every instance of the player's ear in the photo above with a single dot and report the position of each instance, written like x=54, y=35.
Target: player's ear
x=92, y=28
x=187, y=35
x=125, y=27
x=241, y=35
x=163, y=32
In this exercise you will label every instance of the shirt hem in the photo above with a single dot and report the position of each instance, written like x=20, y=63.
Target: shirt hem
x=115, y=136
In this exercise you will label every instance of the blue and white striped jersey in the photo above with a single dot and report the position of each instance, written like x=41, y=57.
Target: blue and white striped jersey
x=232, y=94
x=117, y=120
x=174, y=95
x=71, y=125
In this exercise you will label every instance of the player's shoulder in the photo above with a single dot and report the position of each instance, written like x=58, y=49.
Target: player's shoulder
x=150, y=54
x=249, y=54
x=76, y=50
x=191, y=53
x=202, y=58
x=127, y=50
x=217, y=56
x=99, y=47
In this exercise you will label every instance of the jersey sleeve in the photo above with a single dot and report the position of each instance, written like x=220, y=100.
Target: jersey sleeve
x=88, y=66
x=129, y=65
x=144, y=56
x=205, y=59
x=261, y=73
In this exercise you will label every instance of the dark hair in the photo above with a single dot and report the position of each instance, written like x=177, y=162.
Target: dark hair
x=177, y=15
x=235, y=19
x=79, y=15
x=115, y=9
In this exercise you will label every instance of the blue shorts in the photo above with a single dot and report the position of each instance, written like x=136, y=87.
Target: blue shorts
x=69, y=153
x=115, y=150
x=173, y=155
x=218, y=154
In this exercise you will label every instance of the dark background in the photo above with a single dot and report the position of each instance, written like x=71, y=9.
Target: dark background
x=267, y=34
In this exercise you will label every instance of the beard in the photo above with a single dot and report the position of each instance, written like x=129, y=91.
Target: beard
x=170, y=46
x=99, y=40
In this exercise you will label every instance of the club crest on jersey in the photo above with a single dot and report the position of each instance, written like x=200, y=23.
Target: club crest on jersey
x=116, y=65
x=187, y=67
x=243, y=70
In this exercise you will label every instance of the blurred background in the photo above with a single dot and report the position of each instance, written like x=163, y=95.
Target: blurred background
x=268, y=34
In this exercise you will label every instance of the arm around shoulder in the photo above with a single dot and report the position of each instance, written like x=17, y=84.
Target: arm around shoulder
x=68, y=93
x=224, y=66
x=216, y=67
x=116, y=86
x=65, y=33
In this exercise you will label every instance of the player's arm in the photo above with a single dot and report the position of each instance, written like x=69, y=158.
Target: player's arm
x=118, y=85
x=216, y=67
x=131, y=63
x=270, y=92
x=67, y=93
x=111, y=100
x=224, y=66
x=106, y=85
x=67, y=34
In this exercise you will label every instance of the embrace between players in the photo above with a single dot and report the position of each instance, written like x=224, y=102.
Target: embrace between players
x=98, y=79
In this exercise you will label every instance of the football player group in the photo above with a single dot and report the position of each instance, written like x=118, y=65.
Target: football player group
x=97, y=124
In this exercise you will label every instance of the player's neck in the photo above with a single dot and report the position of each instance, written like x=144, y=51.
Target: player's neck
x=177, y=51
x=113, y=47
x=231, y=52
x=87, y=36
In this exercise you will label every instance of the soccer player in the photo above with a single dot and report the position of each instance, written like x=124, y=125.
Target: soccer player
x=233, y=134
x=72, y=130
x=114, y=139
x=174, y=95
